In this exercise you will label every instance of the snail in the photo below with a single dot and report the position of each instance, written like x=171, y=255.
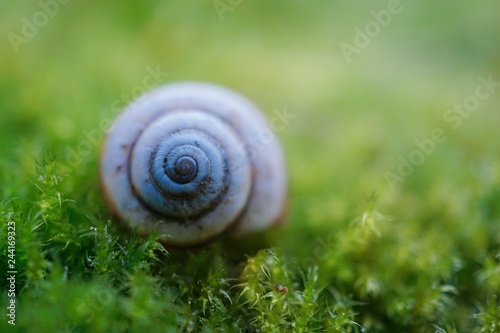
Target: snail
x=191, y=161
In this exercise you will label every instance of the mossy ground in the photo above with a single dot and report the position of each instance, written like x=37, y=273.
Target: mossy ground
x=420, y=255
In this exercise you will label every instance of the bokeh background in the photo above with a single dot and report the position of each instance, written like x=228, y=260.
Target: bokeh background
x=421, y=254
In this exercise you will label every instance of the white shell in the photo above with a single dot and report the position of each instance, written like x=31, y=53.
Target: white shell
x=256, y=193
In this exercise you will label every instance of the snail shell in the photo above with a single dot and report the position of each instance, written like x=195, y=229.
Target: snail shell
x=191, y=160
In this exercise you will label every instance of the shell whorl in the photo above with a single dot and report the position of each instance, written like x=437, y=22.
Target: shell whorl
x=188, y=160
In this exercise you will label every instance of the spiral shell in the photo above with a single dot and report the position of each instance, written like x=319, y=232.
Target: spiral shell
x=191, y=160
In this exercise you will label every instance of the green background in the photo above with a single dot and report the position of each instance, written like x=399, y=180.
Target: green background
x=420, y=255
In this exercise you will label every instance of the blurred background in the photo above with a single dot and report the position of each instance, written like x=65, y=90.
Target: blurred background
x=363, y=81
x=62, y=75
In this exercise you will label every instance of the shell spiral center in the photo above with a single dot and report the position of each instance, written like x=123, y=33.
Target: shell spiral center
x=187, y=168
x=183, y=171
